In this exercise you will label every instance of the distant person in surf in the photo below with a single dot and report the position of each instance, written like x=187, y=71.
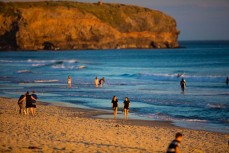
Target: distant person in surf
x=115, y=106
x=96, y=82
x=21, y=104
x=182, y=84
x=175, y=144
x=69, y=81
x=101, y=81
x=227, y=80
x=126, y=105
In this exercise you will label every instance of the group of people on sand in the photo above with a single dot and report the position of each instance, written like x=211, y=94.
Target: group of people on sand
x=27, y=103
x=125, y=108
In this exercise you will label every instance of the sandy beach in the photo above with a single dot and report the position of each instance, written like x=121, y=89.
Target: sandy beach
x=61, y=129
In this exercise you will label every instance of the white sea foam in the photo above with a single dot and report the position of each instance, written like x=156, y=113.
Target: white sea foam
x=24, y=71
x=45, y=81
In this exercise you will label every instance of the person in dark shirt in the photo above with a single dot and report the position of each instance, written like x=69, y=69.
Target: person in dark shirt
x=175, y=144
x=227, y=80
x=101, y=81
x=34, y=100
x=21, y=104
x=126, y=105
x=29, y=104
x=115, y=106
x=183, y=84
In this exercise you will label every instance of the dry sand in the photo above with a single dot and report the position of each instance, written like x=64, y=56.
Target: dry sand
x=60, y=129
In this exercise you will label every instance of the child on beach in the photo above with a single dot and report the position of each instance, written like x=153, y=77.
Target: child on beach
x=115, y=106
x=126, y=105
x=175, y=144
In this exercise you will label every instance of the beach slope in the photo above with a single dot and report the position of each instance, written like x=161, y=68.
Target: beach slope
x=60, y=129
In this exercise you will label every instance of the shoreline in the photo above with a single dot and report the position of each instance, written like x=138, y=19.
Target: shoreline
x=66, y=129
x=108, y=115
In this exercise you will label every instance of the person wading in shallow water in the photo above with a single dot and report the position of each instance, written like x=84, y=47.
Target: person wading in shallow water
x=182, y=84
x=101, y=81
x=115, y=106
x=96, y=82
x=69, y=81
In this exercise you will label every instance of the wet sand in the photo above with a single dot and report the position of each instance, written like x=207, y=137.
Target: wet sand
x=64, y=129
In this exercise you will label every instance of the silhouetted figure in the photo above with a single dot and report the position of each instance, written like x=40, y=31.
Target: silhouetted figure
x=126, y=106
x=182, y=84
x=175, y=144
x=115, y=106
x=227, y=80
x=101, y=81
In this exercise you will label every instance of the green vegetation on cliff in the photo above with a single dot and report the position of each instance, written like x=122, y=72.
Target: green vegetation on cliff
x=74, y=25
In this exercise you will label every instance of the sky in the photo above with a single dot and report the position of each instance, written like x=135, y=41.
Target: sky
x=196, y=19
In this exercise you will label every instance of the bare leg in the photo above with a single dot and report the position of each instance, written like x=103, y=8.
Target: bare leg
x=31, y=110
x=115, y=113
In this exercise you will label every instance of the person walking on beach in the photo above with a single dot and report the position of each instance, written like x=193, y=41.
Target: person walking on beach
x=101, y=81
x=69, y=81
x=29, y=104
x=175, y=144
x=126, y=105
x=96, y=82
x=115, y=106
x=21, y=104
x=34, y=100
x=227, y=80
x=183, y=84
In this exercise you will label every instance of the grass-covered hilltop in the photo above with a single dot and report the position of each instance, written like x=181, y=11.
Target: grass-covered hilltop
x=74, y=25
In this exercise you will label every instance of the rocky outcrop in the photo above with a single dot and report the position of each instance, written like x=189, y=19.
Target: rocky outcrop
x=74, y=25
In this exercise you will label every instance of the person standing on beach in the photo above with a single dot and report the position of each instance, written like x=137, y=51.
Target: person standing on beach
x=69, y=81
x=115, y=106
x=183, y=84
x=101, y=81
x=227, y=80
x=126, y=105
x=21, y=104
x=175, y=144
x=34, y=100
x=29, y=104
x=96, y=82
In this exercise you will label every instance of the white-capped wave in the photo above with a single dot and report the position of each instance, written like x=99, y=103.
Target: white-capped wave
x=24, y=71
x=45, y=81
x=216, y=106
x=61, y=66
x=187, y=77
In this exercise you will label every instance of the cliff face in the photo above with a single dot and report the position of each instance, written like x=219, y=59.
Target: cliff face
x=74, y=25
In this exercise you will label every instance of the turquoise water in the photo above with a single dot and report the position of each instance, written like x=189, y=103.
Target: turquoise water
x=147, y=77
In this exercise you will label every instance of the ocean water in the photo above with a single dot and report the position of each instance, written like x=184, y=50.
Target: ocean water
x=148, y=77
